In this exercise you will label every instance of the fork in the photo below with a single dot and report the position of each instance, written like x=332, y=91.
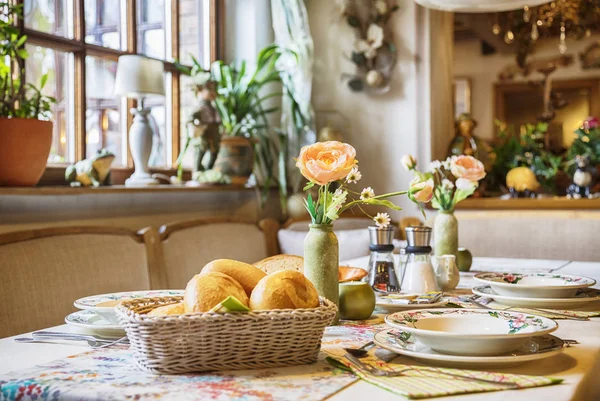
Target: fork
x=563, y=315
x=383, y=373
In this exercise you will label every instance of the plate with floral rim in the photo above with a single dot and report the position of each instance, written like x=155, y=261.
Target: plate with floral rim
x=403, y=343
x=471, y=331
x=583, y=297
x=395, y=305
x=93, y=322
x=535, y=285
x=104, y=304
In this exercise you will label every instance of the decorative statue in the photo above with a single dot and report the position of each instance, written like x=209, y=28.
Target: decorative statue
x=203, y=126
x=465, y=143
x=522, y=183
x=93, y=171
x=582, y=179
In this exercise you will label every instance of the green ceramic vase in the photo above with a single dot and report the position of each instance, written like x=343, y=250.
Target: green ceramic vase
x=321, y=261
x=445, y=233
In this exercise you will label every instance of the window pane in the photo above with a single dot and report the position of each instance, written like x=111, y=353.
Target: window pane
x=103, y=23
x=188, y=104
x=158, y=122
x=193, y=32
x=59, y=85
x=103, y=114
x=49, y=16
x=152, y=38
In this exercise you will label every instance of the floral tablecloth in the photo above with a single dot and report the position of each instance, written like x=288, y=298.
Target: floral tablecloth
x=110, y=374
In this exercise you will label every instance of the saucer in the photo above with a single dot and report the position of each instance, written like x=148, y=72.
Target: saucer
x=535, y=285
x=539, y=347
x=582, y=298
x=104, y=304
x=393, y=305
x=94, y=323
x=471, y=331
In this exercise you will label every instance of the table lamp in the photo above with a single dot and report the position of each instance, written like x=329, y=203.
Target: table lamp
x=137, y=77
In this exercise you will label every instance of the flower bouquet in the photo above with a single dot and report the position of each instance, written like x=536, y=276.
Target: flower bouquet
x=445, y=184
x=328, y=165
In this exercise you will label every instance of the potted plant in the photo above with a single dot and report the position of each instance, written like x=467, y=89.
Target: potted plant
x=25, y=132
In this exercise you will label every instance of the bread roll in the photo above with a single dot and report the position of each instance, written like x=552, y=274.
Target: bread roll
x=286, y=289
x=168, y=310
x=204, y=291
x=281, y=262
x=247, y=275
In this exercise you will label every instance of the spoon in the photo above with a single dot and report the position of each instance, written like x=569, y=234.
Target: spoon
x=362, y=351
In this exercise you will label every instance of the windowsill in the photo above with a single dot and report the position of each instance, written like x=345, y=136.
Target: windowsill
x=556, y=203
x=115, y=189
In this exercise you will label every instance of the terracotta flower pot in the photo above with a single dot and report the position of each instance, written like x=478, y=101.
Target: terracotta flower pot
x=24, y=149
x=235, y=158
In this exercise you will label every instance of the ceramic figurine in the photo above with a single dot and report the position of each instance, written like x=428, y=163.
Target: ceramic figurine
x=582, y=180
x=446, y=272
x=93, y=171
x=522, y=183
x=466, y=143
x=204, y=126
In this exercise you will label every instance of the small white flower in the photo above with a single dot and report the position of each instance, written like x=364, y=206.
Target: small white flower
x=367, y=193
x=337, y=201
x=381, y=7
x=382, y=220
x=446, y=164
x=465, y=185
x=372, y=43
x=408, y=162
x=447, y=184
x=434, y=165
x=353, y=176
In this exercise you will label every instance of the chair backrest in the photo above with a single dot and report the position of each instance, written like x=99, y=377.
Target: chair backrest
x=188, y=246
x=551, y=234
x=43, y=271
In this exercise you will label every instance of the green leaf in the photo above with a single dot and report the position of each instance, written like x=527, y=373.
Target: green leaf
x=308, y=186
x=43, y=81
x=22, y=53
x=382, y=202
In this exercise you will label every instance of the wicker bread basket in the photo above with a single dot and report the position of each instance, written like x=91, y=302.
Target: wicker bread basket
x=222, y=341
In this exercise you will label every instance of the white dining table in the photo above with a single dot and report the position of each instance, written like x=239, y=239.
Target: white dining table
x=570, y=365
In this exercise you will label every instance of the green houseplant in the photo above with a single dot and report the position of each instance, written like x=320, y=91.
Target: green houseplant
x=25, y=133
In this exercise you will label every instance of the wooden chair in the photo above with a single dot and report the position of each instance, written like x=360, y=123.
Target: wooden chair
x=187, y=246
x=45, y=270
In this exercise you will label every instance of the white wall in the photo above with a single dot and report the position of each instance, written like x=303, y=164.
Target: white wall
x=383, y=127
x=483, y=72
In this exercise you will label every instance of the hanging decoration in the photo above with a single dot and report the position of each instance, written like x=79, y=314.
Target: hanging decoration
x=374, y=53
x=560, y=18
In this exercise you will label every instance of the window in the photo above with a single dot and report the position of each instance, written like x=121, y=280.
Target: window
x=77, y=44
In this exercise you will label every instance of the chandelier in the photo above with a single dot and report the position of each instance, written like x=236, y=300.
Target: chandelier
x=559, y=18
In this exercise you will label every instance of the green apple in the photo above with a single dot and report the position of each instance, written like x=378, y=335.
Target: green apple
x=357, y=300
x=464, y=260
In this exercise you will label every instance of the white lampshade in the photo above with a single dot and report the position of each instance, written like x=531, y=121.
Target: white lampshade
x=139, y=76
x=479, y=6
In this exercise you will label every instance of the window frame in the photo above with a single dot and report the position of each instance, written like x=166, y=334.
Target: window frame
x=80, y=49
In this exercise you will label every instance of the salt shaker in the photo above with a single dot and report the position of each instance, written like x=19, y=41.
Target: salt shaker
x=382, y=272
x=418, y=275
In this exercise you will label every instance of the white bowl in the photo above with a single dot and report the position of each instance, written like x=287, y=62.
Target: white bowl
x=535, y=285
x=104, y=304
x=583, y=297
x=471, y=331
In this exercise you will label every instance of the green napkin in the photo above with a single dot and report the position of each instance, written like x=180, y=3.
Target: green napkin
x=230, y=304
x=428, y=382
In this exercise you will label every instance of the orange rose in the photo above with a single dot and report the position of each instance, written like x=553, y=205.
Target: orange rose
x=422, y=190
x=325, y=162
x=467, y=167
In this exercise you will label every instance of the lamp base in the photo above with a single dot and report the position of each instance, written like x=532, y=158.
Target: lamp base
x=141, y=181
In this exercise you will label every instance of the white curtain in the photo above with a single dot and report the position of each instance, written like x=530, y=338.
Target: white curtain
x=290, y=24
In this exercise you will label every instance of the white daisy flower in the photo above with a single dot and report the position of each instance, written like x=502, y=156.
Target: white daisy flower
x=367, y=193
x=382, y=220
x=353, y=176
x=465, y=185
x=434, y=165
x=447, y=184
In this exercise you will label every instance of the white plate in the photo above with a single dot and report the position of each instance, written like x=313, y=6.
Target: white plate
x=391, y=305
x=94, y=323
x=584, y=296
x=471, y=331
x=538, y=348
x=535, y=285
x=104, y=304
